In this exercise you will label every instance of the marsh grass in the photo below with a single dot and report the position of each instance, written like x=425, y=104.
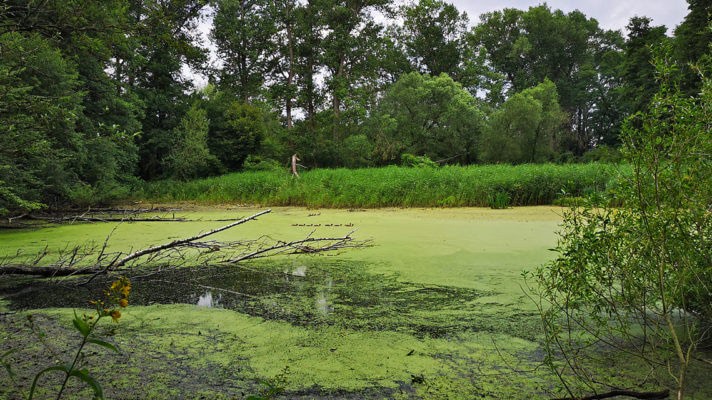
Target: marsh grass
x=449, y=186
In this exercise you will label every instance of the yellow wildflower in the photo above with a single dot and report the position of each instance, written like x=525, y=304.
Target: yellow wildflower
x=126, y=289
x=115, y=315
x=123, y=302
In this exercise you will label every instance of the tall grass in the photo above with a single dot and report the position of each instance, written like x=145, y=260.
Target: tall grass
x=450, y=186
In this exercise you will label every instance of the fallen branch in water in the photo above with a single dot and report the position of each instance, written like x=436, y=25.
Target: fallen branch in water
x=175, y=253
x=663, y=394
x=301, y=247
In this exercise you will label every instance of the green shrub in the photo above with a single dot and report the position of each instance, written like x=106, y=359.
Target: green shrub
x=257, y=163
x=411, y=160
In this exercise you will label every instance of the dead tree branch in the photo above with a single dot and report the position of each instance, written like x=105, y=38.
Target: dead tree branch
x=663, y=394
x=180, y=252
x=300, y=247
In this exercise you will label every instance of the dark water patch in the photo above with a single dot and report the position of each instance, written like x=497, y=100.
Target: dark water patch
x=303, y=292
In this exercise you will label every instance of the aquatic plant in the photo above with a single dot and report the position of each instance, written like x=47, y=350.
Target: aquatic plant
x=116, y=298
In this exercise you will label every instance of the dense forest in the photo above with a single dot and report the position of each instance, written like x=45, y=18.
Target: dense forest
x=94, y=98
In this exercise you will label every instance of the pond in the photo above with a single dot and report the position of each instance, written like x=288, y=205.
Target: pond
x=434, y=308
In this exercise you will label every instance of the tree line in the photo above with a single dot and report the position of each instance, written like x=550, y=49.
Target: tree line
x=93, y=99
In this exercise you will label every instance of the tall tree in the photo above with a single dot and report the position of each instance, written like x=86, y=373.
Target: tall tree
x=640, y=83
x=309, y=52
x=426, y=116
x=39, y=105
x=87, y=33
x=163, y=35
x=244, y=33
x=529, y=46
x=527, y=128
x=433, y=33
x=351, y=30
x=692, y=43
x=284, y=88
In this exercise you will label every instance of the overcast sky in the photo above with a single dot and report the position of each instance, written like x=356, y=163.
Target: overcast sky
x=609, y=14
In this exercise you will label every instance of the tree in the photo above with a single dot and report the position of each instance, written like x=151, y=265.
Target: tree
x=526, y=129
x=692, y=45
x=86, y=33
x=433, y=34
x=39, y=105
x=636, y=278
x=351, y=33
x=190, y=157
x=163, y=39
x=236, y=129
x=640, y=83
x=244, y=32
x=527, y=47
x=284, y=89
x=426, y=116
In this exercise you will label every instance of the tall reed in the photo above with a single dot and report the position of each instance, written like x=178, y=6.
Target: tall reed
x=449, y=186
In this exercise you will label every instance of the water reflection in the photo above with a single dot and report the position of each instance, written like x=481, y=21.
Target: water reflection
x=322, y=292
x=323, y=303
x=207, y=300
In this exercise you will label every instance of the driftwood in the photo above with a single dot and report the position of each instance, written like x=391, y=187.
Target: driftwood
x=663, y=394
x=213, y=252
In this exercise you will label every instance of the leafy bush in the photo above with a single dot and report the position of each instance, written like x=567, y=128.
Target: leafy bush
x=257, y=163
x=638, y=277
x=410, y=160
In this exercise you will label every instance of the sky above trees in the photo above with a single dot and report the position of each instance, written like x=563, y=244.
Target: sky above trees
x=610, y=14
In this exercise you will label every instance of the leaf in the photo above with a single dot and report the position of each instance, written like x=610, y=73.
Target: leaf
x=81, y=325
x=62, y=368
x=103, y=344
x=7, y=365
x=83, y=374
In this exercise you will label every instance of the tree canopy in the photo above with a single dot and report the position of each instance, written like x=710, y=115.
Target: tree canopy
x=96, y=94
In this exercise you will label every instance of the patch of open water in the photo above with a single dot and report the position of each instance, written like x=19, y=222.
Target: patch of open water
x=302, y=291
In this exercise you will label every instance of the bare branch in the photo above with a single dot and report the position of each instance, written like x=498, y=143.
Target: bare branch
x=663, y=394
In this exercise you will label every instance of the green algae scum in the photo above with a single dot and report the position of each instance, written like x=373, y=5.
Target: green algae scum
x=434, y=309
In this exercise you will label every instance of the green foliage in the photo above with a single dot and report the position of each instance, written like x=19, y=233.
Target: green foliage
x=39, y=104
x=603, y=154
x=498, y=200
x=190, y=157
x=426, y=116
x=410, y=160
x=526, y=129
x=356, y=151
x=243, y=33
x=692, y=46
x=640, y=84
x=452, y=186
x=162, y=40
x=434, y=33
x=236, y=129
x=527, y=47
x=637, y=277
x=257, y=163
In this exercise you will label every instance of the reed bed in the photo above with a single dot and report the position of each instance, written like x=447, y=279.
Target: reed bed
x=450, y=186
